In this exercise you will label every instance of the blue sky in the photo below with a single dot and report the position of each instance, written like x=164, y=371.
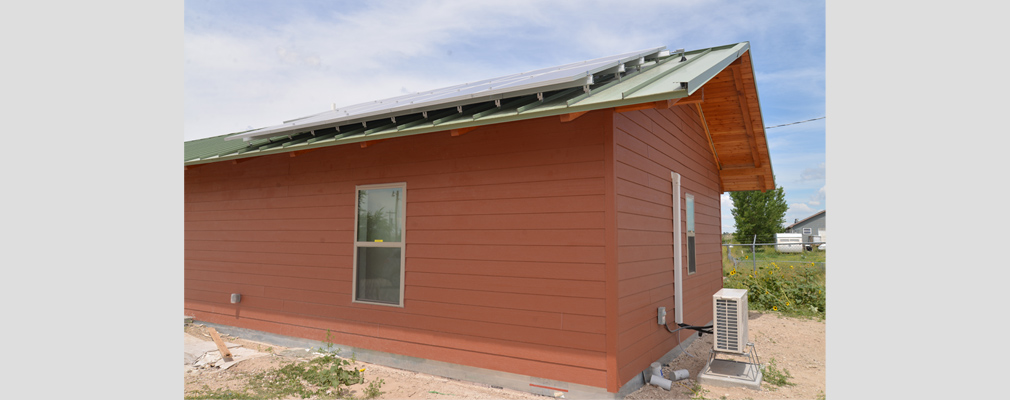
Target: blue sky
x=250, y=64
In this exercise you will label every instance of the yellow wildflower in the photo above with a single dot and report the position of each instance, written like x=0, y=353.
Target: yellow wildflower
x=733, y=272
x=775, y=308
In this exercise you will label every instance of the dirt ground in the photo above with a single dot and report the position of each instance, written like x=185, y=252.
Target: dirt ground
x=796, y=345
x=398, y=384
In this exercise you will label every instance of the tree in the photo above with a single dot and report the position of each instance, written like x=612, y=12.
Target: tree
x=759, y=213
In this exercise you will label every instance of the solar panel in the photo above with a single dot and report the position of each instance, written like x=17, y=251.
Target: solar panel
x=582, y=73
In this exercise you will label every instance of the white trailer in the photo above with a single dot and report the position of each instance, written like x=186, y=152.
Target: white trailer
x=783, y=242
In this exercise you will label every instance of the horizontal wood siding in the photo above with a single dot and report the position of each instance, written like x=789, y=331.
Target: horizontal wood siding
x=649, y=144
x=504, y=246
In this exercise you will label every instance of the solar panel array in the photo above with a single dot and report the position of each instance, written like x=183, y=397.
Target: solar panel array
x=572, y=75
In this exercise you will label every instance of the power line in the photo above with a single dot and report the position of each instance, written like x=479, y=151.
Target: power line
x=794, y=123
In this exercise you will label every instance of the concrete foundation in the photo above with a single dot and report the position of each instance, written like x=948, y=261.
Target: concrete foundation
x=729, y=373
x=524, y=383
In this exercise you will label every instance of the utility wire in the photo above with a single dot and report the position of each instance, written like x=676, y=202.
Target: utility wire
x=794, y=123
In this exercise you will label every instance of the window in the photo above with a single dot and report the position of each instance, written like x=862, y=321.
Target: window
x=689, y=210
x=807, y=231
x=378, y=244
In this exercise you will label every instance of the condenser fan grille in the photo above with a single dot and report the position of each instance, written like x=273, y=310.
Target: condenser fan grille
x=727, y=333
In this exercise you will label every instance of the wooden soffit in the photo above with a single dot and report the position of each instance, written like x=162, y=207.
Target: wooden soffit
x=732, y=115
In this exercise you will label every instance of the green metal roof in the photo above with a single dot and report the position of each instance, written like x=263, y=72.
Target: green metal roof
x=667, y=78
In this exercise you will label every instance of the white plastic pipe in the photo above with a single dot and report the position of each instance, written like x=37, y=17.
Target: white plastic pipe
x=678, y=287
x=661, y=382
x=681, y=374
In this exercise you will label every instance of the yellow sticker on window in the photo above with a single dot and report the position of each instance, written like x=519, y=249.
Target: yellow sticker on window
x=378, y=240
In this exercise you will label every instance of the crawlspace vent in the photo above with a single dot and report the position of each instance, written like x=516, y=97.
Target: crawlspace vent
x=727, y=333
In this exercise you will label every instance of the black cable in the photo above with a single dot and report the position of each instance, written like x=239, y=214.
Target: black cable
x=794, y=123
x=700, y=329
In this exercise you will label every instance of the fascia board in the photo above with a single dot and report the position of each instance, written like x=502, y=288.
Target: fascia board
x=705, y=69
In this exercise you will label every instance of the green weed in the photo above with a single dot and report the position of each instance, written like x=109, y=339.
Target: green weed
x=372, y=391
x=776, y=377
x=323, y=377
x=698, y=392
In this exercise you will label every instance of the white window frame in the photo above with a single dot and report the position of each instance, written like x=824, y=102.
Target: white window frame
x=808, y=231
x=402, y=245
x=692, y=241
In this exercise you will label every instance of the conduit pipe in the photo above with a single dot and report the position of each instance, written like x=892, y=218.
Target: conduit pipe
x=661, y=382
x=678, y=286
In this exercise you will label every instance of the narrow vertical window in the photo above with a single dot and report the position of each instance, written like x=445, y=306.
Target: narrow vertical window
x=689, y=210
x=378, y=244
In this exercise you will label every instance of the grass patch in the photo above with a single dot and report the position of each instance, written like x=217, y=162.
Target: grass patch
x=741, y=256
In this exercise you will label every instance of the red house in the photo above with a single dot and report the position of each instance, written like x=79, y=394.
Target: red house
x=521, y=231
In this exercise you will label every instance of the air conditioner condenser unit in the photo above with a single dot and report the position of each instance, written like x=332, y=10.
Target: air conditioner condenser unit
x=730, y=320
x=729, y=329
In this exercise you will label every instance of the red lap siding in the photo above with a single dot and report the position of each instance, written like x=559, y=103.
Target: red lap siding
x=504, y=246
x=648, y=145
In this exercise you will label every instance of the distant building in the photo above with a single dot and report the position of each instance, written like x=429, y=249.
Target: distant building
x=811, y=227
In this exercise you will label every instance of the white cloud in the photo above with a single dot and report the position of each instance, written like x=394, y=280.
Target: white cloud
x=801, y=208
x=812, y=174
x=818, y=199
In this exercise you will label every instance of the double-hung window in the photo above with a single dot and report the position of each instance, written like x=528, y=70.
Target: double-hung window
x=378, y=244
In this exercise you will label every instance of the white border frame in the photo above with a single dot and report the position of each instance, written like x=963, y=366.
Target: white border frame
x=402, y=245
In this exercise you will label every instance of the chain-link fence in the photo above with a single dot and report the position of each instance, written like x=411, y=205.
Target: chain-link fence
x=742, y=256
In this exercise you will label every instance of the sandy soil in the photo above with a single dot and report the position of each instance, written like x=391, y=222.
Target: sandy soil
x=796, y=345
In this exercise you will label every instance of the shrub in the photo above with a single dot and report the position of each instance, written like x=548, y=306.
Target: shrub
x=797, y=289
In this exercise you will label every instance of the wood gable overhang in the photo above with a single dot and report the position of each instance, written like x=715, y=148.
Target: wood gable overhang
x=731, y=114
